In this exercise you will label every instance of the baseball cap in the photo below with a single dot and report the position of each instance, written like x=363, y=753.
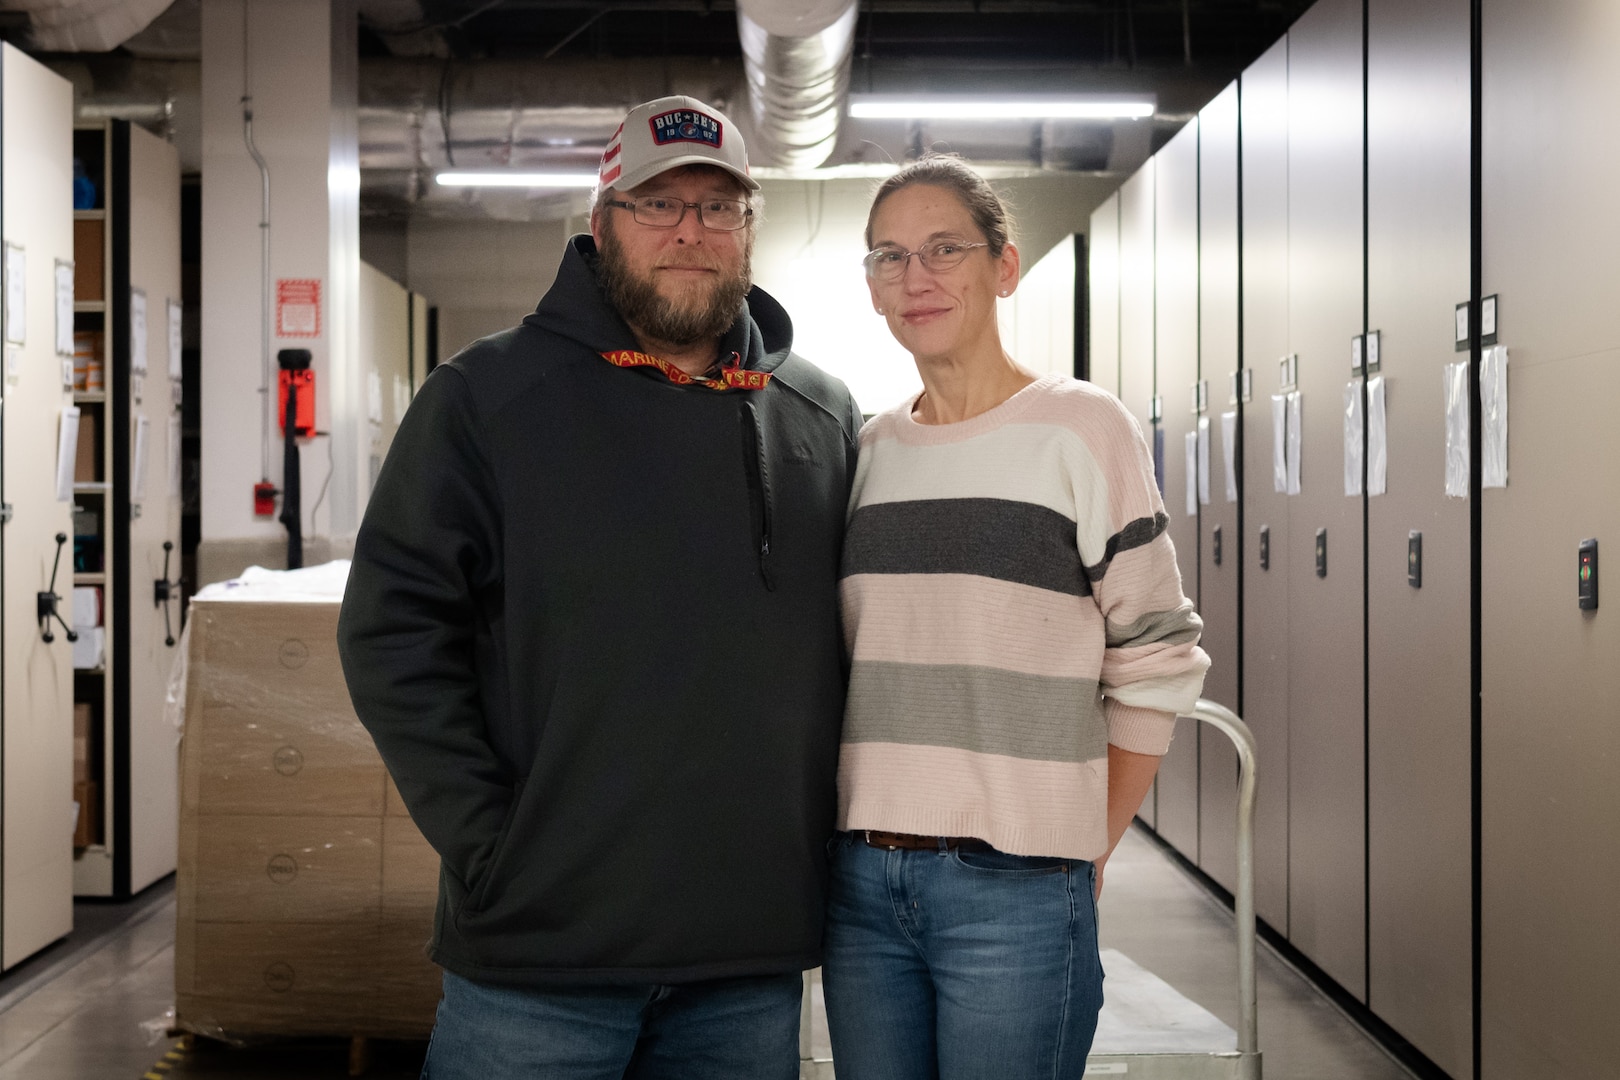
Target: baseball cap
x=667, y=133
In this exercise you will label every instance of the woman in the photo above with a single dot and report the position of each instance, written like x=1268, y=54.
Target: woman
x=1020, y=649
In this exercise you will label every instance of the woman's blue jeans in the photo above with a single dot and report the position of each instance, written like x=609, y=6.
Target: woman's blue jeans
x=959, y=965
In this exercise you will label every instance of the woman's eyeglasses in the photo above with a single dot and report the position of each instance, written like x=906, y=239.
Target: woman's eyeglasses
x=889, y=263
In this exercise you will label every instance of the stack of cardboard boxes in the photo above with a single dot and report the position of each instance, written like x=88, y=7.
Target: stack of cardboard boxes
x=305, y=892
x=87, y=830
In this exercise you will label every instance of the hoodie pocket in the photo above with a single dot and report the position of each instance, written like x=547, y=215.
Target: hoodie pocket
x=481, y=892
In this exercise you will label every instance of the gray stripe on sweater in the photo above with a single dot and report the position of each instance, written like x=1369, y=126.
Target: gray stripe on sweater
x=1135, y=534
x=985, y=710
x=1002, y=539
x=1157, y=628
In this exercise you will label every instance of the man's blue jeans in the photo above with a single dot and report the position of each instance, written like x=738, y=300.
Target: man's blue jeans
x=960, y=965
x=727, y=1029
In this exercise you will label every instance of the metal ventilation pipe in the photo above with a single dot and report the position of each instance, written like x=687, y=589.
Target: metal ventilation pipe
x=86, y=25
x=796, y=57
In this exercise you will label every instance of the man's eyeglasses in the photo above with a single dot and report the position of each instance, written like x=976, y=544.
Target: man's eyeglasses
x=665, y=212
x=889, y=263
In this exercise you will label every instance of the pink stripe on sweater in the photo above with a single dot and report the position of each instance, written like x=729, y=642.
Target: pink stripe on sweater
x=1017, y=805
x=965, y=619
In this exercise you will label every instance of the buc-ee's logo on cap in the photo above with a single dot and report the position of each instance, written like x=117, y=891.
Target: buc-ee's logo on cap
x=686, y=125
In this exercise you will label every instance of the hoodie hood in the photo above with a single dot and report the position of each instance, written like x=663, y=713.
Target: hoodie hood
x=575, y=307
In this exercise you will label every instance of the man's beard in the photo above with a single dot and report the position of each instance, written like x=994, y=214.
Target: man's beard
x=691, y=318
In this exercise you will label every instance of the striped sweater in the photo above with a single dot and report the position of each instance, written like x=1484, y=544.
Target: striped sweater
x=1011, y=607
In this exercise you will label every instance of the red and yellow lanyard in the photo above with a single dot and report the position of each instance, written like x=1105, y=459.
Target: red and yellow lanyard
x=732, y=376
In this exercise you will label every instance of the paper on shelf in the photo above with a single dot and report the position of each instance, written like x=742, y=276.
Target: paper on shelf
x=1191, y=443
x=137, y=332
x=1493, y=420
x=1457, y=469
x=1296, y=411
x=64, y=308
x=1229, y=452
x=137, y=468
x=67, y=451
x=1377, y=438
x=1203, y=460
x=1279, y=443
x=1353, y=442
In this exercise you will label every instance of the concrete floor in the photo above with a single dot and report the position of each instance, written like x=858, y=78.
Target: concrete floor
x=94, y=1006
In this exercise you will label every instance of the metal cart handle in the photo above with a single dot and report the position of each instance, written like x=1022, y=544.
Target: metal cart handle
x=1219, y=716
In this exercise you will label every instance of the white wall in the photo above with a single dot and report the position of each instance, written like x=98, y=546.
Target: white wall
x=1037, y=321
x=384, y=329
x=303, y=78
x=482, y=276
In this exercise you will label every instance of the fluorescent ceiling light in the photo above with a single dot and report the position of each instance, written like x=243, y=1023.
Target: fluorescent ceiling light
x=516, y=179
x=945, y=108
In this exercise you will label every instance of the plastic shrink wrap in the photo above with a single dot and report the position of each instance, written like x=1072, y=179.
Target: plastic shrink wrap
x=305, y=893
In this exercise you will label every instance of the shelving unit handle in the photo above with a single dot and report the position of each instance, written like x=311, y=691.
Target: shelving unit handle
x=1228, y=722
x=46, y=605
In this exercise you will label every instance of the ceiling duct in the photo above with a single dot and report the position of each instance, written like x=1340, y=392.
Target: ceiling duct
x=796, y=57
x=85, y=25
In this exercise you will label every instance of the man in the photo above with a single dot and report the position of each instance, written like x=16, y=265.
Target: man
x=592, y=626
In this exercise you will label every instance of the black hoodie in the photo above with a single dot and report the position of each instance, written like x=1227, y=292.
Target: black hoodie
x=592, y=625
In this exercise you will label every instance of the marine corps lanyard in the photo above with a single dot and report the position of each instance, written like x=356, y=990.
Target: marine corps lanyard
x=733, y=376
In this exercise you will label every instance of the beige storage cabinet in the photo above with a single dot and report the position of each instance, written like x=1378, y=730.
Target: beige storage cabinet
x=305, y=892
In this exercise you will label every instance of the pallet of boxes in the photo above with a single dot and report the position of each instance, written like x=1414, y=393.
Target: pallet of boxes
x=305, y=893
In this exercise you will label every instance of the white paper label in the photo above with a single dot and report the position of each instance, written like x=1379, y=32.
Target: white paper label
x=137, y=332
x=1457, y=470
x=1279, y=443
x=1229, y=453
x=1203, y=460
x=1377, y=438
x=1352, y=437
x=1191, y=443
x=67, y=449
x=402, y=398
x=14, y=356
x=176, y=370
x=1493, y=404
x=64, y=311
x=175, y=436
x=1296, y=409
x=16, y=295
x=137, y=468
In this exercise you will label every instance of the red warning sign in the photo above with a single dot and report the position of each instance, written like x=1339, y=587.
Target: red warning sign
x=298, y=307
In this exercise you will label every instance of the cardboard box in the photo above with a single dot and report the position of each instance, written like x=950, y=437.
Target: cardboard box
x=88, y=829
x=288, y=869
x=83, y=714
x=86, y=462
x=305, y=893
x=89, y=259
x=257, y=758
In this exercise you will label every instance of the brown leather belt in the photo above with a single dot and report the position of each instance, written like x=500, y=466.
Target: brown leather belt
x=891, y=841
